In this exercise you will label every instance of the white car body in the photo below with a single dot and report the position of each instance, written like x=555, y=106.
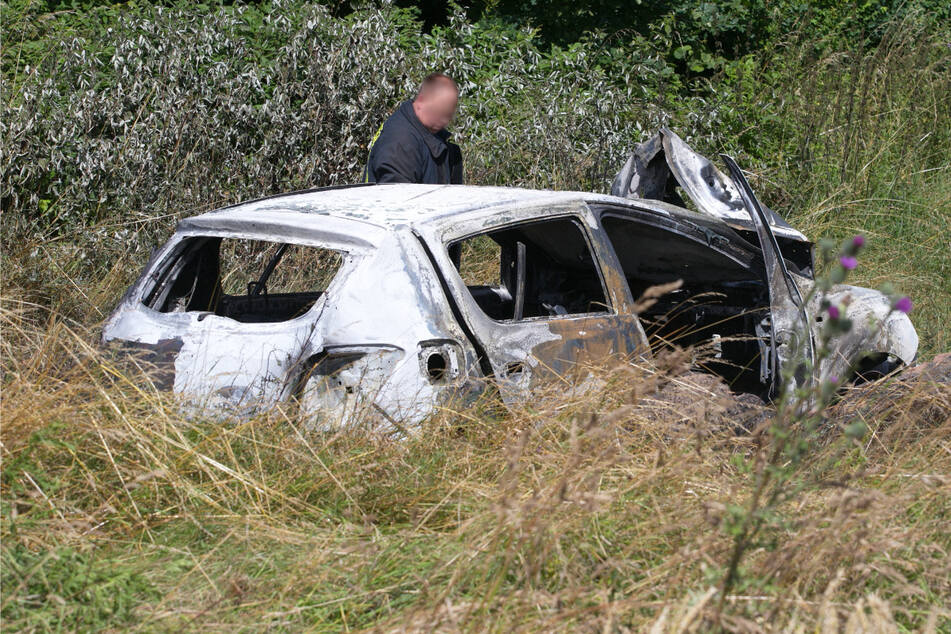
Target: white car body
x=398, y=331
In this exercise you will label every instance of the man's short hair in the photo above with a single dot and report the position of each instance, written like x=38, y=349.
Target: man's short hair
x=436, y=80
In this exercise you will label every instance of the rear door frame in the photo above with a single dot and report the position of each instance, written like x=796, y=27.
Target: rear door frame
x=220, y=361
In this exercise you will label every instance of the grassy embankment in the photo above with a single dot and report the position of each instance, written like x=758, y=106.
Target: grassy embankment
x=601, y=511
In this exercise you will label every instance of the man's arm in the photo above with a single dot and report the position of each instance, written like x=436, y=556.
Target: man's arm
x=394, y=160
x=455, y=165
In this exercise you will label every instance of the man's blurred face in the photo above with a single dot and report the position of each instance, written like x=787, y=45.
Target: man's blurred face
x=437, y=107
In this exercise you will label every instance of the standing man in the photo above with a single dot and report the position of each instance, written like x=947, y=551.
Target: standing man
x=412, y=145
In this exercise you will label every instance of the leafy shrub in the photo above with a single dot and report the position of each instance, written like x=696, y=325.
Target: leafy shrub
x=168, y=111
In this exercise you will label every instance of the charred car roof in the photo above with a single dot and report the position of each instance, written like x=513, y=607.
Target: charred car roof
x=361, y=215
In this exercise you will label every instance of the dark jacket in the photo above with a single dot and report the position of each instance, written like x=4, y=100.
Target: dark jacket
x=406, y=152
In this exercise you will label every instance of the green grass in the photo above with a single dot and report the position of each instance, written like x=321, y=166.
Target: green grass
x=65, y=589
x=907, y=245
x=908, y=231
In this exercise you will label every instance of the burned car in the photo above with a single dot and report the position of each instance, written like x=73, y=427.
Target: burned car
x=389, y=300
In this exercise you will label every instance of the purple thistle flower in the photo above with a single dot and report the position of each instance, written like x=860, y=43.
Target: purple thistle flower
x=858, y=242
x=834, y=311
x=904, y=305
x=834, y=379
x=848, y=262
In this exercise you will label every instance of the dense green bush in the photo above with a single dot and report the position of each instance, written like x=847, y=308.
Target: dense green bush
x=115, y=115
x=168, y=110
x=150, y=111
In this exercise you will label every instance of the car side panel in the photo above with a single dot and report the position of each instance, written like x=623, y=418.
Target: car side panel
x=394, y=312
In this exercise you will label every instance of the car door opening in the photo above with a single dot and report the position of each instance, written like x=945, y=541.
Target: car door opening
x=719, y=305
x=531, y=270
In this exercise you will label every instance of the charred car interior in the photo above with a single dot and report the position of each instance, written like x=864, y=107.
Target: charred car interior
x=381, y=303
x=538, y=269
x=250, y=281
x=721, y=301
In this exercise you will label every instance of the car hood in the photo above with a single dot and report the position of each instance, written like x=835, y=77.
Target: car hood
x=656, y=167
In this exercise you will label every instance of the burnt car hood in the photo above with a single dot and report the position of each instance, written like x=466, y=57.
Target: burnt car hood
x=656, y=167
x=662, y=164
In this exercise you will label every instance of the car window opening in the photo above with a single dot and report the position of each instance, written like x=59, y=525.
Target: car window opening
x=538, y=269
x=716, y=309
x=251, y=281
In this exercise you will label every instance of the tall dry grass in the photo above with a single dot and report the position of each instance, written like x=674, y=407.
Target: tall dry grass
x=599, y=509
